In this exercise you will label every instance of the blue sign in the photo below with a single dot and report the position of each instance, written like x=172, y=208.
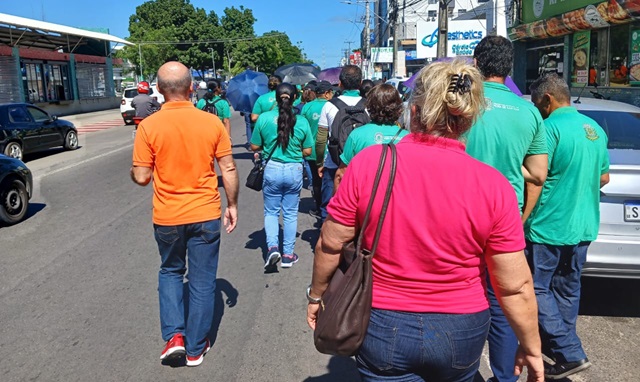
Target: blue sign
x=411, y=55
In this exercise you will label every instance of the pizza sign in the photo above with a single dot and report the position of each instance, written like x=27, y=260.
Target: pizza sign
x=533, y=10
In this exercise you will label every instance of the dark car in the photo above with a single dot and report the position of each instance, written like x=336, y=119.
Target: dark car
x=25, y=128
x=16, y=185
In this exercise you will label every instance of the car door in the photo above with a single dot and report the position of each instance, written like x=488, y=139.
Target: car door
x=48, y=128
x=23, y=127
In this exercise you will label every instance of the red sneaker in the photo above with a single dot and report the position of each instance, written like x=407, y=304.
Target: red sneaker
x=196, y=360
x=174, y=348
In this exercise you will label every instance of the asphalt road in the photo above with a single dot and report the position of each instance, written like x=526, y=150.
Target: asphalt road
x=78, y=287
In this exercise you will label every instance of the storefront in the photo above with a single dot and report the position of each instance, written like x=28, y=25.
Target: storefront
x=593, y=44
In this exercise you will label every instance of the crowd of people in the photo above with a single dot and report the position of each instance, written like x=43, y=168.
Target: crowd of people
x=484, y=238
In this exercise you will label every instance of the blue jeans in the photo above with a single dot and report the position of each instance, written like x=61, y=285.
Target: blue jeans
x=407, y=347
x=328, y=176
x=201, y=241
x=503, y=343
x=281, y=191
x=556, y=280
x=249, y=129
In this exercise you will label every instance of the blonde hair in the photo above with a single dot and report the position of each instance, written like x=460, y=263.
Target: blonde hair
x=449, y=97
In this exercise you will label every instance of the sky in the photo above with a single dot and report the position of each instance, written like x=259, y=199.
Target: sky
x=323, y=27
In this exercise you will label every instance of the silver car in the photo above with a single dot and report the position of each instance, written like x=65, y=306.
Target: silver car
x=616, y=251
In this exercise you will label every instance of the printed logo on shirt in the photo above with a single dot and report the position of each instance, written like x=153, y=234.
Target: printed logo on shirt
x=592, y=135
x=488, y=104
x=315, y=116
x=378, y=138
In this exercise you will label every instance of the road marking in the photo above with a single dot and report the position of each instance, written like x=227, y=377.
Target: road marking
x=84, y=161
x=98, y=126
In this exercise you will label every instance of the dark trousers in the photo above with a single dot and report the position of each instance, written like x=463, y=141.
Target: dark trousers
x=316, y=184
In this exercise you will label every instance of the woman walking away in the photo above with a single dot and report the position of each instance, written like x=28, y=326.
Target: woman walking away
x=449, y=218
x=286, y=138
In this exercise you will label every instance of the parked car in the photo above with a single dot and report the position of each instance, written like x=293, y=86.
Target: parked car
x=616, y=251
x=16, y=184
x=25, y=128
x=398, y=83
x=126, y=110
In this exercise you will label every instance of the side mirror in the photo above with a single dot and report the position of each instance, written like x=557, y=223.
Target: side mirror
x=54, y=117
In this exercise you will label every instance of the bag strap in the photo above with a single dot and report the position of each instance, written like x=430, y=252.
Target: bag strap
x=270, y=154
x=376, y=183
x=393, y=140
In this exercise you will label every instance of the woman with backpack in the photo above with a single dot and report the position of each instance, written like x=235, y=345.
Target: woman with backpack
x=286, y=139
x=212, y=102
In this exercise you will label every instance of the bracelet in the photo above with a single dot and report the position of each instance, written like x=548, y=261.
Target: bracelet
x=312, y=300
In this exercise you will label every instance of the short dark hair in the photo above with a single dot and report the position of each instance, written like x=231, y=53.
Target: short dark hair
x=351, y=77
x=550, y=83
x=213, y=85
x=274, y=81
x=494, y=56
x=384, y=104
x=365, y=87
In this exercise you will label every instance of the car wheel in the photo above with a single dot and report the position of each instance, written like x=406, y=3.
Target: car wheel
x=13, y=150
x=14, y=201
x=71, y=140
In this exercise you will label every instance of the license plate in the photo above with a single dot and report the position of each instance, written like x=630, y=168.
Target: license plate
x=632, y=211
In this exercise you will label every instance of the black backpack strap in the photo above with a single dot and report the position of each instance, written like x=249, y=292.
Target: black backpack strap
x=337, y=102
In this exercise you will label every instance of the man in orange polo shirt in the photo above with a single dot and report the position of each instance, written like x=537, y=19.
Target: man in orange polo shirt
x=177, y=146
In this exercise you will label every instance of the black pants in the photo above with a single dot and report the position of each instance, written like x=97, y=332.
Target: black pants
x=316, y=184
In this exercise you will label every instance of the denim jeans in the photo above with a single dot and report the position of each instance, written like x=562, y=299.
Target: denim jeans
x=328, y=176
x=503, y=343
x=407, y=347
x=201, y=242
x=248, y=127
x=556, y=280
x=281, y=191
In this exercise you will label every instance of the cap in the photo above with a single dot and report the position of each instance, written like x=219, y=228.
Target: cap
x=311, y=85
x=323, y=87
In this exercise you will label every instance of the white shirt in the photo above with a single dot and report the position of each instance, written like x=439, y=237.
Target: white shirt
x=328, y=114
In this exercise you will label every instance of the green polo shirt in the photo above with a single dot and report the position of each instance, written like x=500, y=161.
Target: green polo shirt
x=311, y=111
x=369, y=135
x=568, y=210
x=222, y=107
x=265, y=134
x=509, y=129
x=265, y=103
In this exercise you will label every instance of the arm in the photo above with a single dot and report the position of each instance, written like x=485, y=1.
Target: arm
x=230, y=179
x=604, y=179
x=306, y=152
x=254, y=117
x=511, y=279
x=338, y=178
x=141, y=175
x=531, y=196
x=321, y=144
x=325, y=262
x=534, y=168
x=227, y=126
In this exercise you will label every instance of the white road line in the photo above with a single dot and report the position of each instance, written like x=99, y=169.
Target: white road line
x=83, y=162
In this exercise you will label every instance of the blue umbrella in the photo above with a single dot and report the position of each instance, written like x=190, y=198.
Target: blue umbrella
x=245, y=88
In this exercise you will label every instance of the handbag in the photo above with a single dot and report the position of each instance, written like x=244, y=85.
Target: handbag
x=343, y=317
x=256, y=175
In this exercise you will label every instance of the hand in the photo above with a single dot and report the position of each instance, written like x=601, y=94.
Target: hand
x=231, y=218
x=320, y=170
x=312, y=315
x=534, y=364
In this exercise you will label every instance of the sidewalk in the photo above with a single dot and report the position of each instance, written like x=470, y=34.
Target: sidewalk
x=84, y=119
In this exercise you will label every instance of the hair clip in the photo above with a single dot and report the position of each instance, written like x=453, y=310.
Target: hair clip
x=283, y=96
x=460, y=83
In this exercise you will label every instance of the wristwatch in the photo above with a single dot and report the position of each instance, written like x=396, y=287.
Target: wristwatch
x=312, y=300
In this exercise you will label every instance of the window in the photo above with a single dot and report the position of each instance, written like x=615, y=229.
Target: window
x=92, y=80
x=45, y=82
x=619, y=59
x=19, y=115
x=542, y=60
x=622, y=128
x=433, y=1
x=598, y=58
x=432, y=14
x=37, y=114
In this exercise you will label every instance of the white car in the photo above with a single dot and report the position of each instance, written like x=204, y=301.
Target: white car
x=126, y=110
x=616, y=251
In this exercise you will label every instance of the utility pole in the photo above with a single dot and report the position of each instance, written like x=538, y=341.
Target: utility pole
x=348, y=51
x=213, y=61
x=394, y=32
x=443, y=27
x=367, y=37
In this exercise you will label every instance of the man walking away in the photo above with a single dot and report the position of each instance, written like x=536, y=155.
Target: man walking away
x=143, y=103
x=350, y=80
x=178, y=146
x=509, y=137
x=564, y=221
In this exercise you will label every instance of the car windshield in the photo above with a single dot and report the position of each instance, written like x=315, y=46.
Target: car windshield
x=622, y=128
x=130, y=93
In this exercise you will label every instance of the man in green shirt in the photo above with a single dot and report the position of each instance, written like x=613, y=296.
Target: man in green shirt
x=311, y=111
x=510, y=137
x=212, y=97
x=565, y=220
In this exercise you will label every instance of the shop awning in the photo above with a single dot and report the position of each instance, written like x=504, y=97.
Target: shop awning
x=23, y=32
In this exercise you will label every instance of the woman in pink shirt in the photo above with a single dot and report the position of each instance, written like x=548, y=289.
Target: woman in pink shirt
x=449, y=218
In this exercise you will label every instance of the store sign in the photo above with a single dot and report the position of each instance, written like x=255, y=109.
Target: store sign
x=580, y=70
x=462, y=38
x=382, y=55
x=533, y=10
x=634, y=68
x=411, y=55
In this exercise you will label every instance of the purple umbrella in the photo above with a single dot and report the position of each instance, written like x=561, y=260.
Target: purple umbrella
x=508, y=82
x=330, y=74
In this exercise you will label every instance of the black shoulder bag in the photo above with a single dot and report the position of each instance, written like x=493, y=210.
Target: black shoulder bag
x=256, y=175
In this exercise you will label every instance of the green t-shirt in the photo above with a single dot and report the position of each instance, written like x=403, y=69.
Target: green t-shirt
x=222, y=106
x=369, y=135
x=510, y=129
x=568, y=210
x=265, y=134
x=265, y=103
x=311, y=111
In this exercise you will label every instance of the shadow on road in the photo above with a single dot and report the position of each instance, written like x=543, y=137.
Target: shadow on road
x=32, y=210
x=245, y=155
x=341, y=369
x=609, y=297
x=43, y=154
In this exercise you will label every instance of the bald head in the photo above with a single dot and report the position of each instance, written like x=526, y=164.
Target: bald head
x=174, y=81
